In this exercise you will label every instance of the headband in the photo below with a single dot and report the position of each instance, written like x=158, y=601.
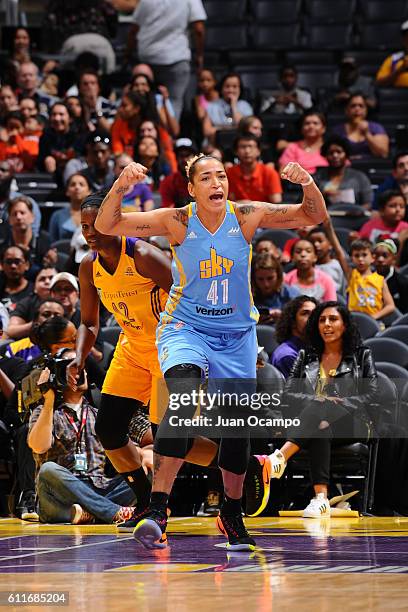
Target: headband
x=388, y=244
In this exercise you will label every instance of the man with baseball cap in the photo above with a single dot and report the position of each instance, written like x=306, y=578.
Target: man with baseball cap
x=173, y=188
x=65, y=288
x=394, y=70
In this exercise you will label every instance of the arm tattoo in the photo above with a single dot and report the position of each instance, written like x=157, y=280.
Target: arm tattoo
x=246, y=209
x=145, y=226
x=310, y=205
x=121, y=190
x=181, y=217
x=101, y=206
x=273, y=211
x=279, y=221
x=116, y=213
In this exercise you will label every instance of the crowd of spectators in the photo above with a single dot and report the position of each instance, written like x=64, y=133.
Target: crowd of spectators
x=76, y=130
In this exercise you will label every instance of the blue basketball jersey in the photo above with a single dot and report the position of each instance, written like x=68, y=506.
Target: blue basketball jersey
x=212, y=277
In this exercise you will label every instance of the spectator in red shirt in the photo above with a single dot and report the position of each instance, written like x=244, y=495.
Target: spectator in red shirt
x=173, y=188
x=252, y=179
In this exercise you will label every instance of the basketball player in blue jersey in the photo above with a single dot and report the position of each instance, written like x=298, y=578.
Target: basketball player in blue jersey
x=208, y=325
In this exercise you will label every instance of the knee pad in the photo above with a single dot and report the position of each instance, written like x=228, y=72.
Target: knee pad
x=234, y=455
x=171, y=447
x=111, y=439
x=183, y=372
x=112, y=421
x=180, y=379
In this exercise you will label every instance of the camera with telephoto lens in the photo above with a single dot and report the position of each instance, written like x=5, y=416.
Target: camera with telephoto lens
x=31, y=393
x=58, y=374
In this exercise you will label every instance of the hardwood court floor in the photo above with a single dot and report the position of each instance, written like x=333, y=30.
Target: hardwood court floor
x=317, y=565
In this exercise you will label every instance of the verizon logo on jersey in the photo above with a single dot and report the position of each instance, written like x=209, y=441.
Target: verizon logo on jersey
x=214, y=312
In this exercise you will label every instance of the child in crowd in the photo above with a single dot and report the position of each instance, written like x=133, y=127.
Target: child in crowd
x=302, y=232
x=391, y=206
x=12, y=145
x=306, y=277
x=384, y=261
x=207, y=92
x=270, y=292
x=325, y=261
x=367, y=291
x=266, y=245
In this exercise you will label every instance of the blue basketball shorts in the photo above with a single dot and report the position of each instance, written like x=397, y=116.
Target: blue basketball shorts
x=221, y=356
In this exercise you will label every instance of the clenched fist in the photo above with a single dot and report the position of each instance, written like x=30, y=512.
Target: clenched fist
x=294, y=173
x=131, y=175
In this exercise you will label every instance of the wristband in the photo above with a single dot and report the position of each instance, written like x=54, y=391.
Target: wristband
x=308, y=182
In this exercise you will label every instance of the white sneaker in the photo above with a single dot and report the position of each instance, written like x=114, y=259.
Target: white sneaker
x=318, y=507
x=277, y=464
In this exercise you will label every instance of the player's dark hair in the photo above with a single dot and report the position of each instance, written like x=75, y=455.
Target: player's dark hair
x=191, y=165
x=94, y=200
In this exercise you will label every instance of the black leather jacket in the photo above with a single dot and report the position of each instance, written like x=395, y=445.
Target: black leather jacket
x=355, y=382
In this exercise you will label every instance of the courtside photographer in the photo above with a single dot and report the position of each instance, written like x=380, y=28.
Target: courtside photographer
x=71, y=482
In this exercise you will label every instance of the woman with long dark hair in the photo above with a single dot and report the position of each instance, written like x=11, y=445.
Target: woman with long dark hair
x=148, y=153
x=334, y=381
x=131, y=113
x=143, y=86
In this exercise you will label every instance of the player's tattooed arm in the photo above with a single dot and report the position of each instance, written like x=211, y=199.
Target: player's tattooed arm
x=112, y=221
x=112, y=206
x=277, y=214
x=291, y=216
x=246, y=209
x=246, y=214
x=310, y=205
x=181, y=217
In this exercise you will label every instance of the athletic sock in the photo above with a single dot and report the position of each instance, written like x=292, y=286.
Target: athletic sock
x=140, y=485
x=231, y=506
x=159, y=501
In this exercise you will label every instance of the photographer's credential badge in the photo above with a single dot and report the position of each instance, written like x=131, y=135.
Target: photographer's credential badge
x=81, y=463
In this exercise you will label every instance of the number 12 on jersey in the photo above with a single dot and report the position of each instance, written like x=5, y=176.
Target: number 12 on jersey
x=213, y=293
